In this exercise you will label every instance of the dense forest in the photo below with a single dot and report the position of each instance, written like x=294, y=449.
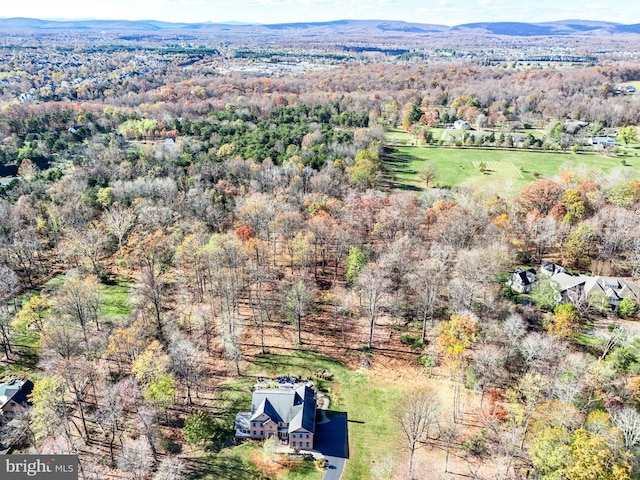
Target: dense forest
x=169, y=221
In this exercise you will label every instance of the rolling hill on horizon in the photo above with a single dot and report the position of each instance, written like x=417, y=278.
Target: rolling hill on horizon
x=337, y=27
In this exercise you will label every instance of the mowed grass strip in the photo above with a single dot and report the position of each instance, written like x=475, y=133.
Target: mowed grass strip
x=508, y=169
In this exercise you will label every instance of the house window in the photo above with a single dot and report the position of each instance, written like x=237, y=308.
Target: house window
x=293, y=444
x=261, y=432
x=307, y=444
x=307, y=435
x=255, y=433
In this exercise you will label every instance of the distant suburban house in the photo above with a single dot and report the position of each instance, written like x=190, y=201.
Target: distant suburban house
x=285, y=410
x=578, y=288
x=522, y=280
x=461, y=125
x=13, y=398
x=606, y=141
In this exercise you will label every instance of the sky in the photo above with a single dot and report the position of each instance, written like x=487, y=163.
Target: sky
x=445, y=12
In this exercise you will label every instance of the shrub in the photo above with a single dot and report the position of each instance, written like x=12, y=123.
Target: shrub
x=475, y=446
x=414, y=342
x=428, y=361
x=472, y=378
x=626, y=307
x=198, y=428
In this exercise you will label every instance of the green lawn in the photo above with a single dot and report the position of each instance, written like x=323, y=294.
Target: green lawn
x=114, y=301
x=459, y=166
x=370, y=405
x=235, y=463
x=114, y=305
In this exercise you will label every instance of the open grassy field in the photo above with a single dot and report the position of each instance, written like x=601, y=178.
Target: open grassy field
x=459, y=166
x=371, y=406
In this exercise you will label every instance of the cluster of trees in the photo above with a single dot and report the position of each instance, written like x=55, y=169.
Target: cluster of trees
x=239, y=247
x=266, y=211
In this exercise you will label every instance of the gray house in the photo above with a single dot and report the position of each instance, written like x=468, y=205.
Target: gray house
x=522, y=280
x=578, y=288
x=287, y=412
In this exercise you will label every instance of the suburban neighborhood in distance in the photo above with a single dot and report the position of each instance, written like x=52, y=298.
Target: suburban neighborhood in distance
x=345, y=249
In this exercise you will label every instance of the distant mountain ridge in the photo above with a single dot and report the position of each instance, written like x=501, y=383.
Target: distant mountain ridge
x=563, y=27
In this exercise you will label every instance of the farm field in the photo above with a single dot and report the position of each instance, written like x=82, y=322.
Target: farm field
x=502, y=168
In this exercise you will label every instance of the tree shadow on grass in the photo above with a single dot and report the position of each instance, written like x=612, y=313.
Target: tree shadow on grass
x=298, y=360
x=396, y=163
x=221, y=467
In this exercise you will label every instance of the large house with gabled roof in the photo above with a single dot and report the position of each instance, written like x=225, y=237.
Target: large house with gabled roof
x=14, y=398
x=285, y=410
x=575, y=288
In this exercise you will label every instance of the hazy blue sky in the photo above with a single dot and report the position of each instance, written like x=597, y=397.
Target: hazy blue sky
x=447, y=12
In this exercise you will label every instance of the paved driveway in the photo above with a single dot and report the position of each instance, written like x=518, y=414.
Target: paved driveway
x=332, y=440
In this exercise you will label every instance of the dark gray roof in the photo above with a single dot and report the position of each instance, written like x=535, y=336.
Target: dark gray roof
x=16, y=390
x=551, y=268
x=306, y=418
x=267, y=408
x=295, y=406
x=527, y=277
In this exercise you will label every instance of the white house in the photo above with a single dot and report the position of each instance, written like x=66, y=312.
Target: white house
x=461, y=125
x=604, y=141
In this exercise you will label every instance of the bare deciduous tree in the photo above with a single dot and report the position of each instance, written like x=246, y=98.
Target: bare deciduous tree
x=426, y=282
x=78, y=299
x=628, y=420
x=542, y=352
x=187, y=361
x=119, y=220
x=420, y=414
x=90, y=245
x=373, y=286
x=134, y=459
x=514, y=328
x=297, y=300
x=108, y=417
x=150, y=289
x=171, y=468
x=17, y=432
